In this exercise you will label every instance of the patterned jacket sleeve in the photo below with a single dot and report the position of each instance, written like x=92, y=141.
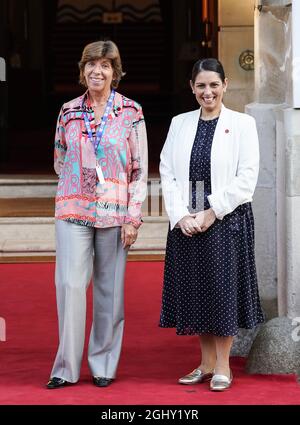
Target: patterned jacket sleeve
x=60, y=146
x=137, y=188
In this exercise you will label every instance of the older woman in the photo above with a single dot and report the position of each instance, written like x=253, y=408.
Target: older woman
x=209, y=168
x=101, y=159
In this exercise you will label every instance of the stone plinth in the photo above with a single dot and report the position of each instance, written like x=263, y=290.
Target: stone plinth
x=276, y=349
x=264, y=205
x=35, y=236
x=288, y=211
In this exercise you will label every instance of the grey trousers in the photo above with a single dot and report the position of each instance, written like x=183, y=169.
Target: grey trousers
x=81, y=252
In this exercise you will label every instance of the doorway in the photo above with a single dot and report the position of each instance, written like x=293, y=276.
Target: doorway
x=159, y=40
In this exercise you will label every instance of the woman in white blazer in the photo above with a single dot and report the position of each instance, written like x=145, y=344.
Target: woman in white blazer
x=209, y=168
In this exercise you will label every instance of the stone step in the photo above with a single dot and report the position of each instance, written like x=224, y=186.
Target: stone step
x=27, y=219
x=33, y=196
x=44, y=207
x=35, y=236
x=28, y=186
x=27, y=207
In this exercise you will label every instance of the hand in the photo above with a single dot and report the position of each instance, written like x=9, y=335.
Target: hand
x=189, y=226
x=58, y=166
x=128, y=234
x=205, y=219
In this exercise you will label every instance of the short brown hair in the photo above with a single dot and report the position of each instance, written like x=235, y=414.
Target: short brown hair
x=98, y=50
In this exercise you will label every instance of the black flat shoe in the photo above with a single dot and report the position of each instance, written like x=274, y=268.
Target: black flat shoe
x=57, y=383
x=99, y=381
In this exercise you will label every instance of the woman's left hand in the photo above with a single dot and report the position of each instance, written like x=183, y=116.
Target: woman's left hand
x=128, y=234
x=205, y=219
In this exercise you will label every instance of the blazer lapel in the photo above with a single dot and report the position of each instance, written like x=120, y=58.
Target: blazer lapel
x=188, y=132
x=218, y=150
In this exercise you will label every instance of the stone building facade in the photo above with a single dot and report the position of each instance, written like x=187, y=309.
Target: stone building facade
x=269, y=90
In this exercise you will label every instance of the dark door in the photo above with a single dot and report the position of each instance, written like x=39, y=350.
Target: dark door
x=158, y=44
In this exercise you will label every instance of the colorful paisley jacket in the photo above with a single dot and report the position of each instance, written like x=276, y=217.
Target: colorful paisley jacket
x=122, y=153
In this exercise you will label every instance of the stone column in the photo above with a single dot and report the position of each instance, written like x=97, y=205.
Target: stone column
x=276, y=348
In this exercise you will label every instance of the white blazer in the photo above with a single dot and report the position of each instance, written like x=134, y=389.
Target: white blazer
x=234, y=163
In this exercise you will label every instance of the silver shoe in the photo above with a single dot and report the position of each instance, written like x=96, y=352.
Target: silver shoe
x=220, y=382
x=195, y=377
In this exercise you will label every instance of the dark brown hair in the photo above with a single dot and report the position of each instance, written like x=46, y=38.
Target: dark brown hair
x=208, y=64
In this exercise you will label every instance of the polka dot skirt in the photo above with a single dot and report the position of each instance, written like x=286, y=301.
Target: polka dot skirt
x=210, y=283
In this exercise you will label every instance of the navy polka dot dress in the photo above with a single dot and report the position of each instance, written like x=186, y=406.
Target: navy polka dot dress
x=210, y=283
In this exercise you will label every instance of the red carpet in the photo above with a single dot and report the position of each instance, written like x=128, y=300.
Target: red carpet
x=152, y=358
